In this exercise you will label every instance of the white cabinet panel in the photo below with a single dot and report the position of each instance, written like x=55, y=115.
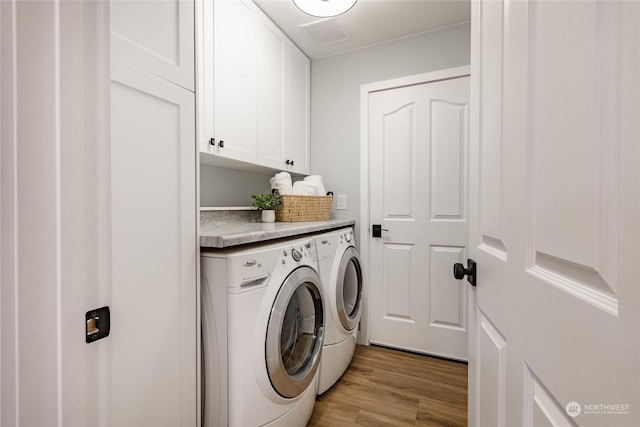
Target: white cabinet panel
x=270, y=97
x=156, y=36
x=235, y=81
x=154, y=318
x=297, y=112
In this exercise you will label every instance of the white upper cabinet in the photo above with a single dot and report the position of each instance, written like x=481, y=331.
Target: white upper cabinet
x=235, y=114
x=270, y=76
x=297, y=113
x=253, y=96
x=155, y=36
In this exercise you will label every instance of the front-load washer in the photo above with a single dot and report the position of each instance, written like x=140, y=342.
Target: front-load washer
x=342, y=282
x=262, y=334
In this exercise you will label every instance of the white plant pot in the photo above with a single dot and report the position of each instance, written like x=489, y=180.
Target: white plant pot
x=268, y=215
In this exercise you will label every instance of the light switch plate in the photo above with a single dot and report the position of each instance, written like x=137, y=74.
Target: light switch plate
x=342, y=202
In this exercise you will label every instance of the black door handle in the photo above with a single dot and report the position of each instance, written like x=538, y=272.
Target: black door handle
x=459, y=271
x=376, y=230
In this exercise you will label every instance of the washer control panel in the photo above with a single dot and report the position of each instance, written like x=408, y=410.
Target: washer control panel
x=296, y=255
x=299, y=253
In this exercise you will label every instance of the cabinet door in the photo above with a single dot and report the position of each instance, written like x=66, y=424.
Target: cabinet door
x=205, y=76
x=271, y=62
x=156, y=36
x=297, y=110
x=153, y=256
x=235, y=89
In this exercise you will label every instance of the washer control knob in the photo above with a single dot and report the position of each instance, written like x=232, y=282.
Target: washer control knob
x=296, y=255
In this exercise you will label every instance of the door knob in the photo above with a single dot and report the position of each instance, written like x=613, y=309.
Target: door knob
x=459, y=271
x=376, y=230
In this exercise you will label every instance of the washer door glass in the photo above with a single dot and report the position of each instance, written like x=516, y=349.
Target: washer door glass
x=349, y=289
x=295, y=333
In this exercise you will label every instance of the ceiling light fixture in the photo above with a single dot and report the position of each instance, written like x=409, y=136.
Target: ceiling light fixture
x=324, y=8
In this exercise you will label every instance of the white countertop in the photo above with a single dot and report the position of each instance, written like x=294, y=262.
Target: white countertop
x=223, y=235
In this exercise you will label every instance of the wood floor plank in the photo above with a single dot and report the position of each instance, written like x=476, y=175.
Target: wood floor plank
x=400, y=407
x=371, y=419
x=386, y=387
x=419, y=387
x=433, y=412
x=417, y=365
x=333, y=414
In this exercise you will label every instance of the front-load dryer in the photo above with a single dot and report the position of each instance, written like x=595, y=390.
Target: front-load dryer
x=342, y=282
x=267, y=353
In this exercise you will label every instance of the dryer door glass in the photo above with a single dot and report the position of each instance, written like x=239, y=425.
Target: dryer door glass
x=295, y=333
x=349, y=289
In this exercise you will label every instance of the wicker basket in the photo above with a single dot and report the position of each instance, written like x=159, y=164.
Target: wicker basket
x=304, y=208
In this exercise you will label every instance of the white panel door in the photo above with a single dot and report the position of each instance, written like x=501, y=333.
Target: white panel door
x=417, y=175
x=554, y=214
x=156, y=36
x=154, y=321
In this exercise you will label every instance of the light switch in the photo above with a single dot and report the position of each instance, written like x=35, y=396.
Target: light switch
x=342, y=202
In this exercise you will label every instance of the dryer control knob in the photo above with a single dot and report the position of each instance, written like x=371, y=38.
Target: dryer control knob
x=296, y=255
x=347, y=237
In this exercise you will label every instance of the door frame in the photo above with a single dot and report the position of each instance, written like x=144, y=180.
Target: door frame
x=54, y=211
x=364, y=225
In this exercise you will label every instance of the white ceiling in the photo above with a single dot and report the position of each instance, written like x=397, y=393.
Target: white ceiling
x=369, y=22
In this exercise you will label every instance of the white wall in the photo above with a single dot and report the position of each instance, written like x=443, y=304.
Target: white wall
x=335, y=100
x=227, y=187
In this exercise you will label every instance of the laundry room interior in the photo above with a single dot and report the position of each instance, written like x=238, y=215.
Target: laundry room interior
x=348, y=56
x=319, y=213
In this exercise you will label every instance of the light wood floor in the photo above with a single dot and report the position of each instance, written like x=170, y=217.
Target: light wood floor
x=385, y=387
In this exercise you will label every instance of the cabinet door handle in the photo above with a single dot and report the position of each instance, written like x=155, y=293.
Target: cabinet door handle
x=287, y=162
x=212, y=141
x=221, y=144
x=291, y=162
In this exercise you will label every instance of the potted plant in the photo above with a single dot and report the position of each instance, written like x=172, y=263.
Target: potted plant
x=267, y=203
